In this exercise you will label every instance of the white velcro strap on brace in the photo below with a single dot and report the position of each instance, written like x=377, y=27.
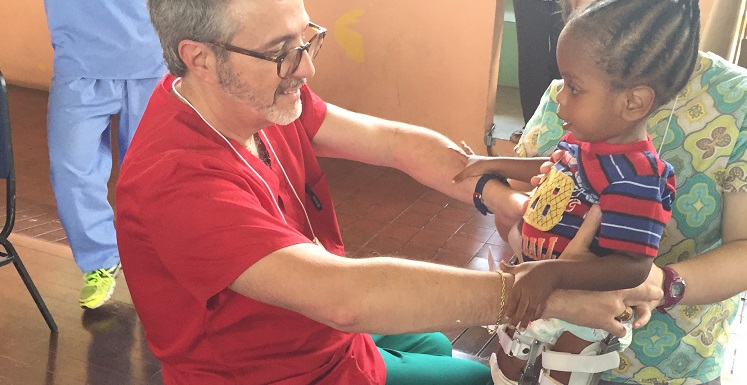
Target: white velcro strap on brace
x=518, y=346
x=545, y=379
x=577, y=378
x=567, y=362
x=581, y=366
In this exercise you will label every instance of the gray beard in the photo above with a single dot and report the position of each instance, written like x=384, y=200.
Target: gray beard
x=234, y=86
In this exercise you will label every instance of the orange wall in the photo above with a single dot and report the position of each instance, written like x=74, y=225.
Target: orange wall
x=402, y=60
x=25, y=48
x=411, y=61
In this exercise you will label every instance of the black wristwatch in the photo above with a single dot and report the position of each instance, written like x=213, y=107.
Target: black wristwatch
x=674, y=289
x=477, y=196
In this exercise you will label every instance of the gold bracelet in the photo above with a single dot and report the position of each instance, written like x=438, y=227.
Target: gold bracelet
x=503, y=303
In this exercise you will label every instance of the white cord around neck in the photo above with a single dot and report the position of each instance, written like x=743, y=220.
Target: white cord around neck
x=669, y=121
x=271, y=150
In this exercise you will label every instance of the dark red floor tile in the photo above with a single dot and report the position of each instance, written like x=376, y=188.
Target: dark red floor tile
x=429, y=238
x=398, y=231
x=445, y=227
x=463, y=245
x=451, y=258
x=385, y=245
x=411, y=218
x=417, y=252
x=477, y=233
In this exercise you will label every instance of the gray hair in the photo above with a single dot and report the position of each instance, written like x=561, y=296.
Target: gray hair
x=198, y=20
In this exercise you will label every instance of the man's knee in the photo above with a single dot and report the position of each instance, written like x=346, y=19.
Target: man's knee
x=436, y=344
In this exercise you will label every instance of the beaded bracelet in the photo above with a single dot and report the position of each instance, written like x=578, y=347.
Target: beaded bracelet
x=503, y=303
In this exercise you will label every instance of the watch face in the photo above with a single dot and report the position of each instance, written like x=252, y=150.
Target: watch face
x=677, y=289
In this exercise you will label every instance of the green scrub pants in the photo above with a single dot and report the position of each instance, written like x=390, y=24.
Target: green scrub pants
x=425, y=359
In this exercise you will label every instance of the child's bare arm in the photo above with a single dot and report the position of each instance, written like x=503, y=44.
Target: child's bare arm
x=521, y=169
x=535, y=281
x=612, y=272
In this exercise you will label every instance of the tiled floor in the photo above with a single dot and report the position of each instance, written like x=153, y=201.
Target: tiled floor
x=381, y=211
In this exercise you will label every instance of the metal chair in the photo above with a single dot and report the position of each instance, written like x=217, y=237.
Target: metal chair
x=7, y=172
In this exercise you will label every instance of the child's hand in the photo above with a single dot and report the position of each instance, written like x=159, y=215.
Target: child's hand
x=472, y=163
x=533, y=284
x=545, y=168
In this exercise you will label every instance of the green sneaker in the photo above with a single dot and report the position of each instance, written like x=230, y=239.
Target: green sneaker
x=99, y=286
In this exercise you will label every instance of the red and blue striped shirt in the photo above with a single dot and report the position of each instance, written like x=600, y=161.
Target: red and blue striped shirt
x=634, y=188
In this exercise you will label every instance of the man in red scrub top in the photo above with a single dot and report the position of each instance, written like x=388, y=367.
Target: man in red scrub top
x=228, y=237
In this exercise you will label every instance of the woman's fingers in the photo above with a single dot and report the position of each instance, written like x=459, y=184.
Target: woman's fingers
x=642, y=316
x=557, y=155
x=578, y=248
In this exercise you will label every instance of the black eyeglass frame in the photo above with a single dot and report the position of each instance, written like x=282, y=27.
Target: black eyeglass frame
x=320, y=33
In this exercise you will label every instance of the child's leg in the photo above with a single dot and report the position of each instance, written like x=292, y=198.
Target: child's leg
x=588, y=347
x=567, y=343
x=519, y=347
x=499, y=378
x=539, y=337
x=510, y=366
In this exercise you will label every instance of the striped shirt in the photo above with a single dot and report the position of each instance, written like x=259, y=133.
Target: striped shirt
x=633, y=187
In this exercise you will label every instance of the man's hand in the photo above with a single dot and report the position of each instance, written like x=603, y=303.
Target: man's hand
x=533, y=284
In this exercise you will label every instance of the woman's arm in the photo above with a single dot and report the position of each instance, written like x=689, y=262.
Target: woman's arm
x=718, y=274
x=711, y=277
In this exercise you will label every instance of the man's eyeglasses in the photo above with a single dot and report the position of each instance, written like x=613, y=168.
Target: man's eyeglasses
x=289, y=60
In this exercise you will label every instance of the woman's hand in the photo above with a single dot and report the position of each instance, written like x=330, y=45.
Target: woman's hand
x=652, y=284
x=600, y=309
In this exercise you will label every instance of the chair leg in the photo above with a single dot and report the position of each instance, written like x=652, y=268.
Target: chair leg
x=31, y=287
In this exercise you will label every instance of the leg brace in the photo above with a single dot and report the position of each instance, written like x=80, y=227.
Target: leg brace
x=584, y=367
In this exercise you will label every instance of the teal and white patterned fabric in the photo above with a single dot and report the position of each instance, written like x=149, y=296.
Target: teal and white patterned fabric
x=706, y=142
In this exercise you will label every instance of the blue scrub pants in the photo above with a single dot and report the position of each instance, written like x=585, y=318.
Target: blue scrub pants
x=425, y=359
x=80, y=152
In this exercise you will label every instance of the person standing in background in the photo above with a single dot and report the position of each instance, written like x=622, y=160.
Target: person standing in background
x=107, y=61
x=538, y=25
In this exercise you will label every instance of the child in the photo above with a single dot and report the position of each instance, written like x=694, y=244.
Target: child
x=620, y=60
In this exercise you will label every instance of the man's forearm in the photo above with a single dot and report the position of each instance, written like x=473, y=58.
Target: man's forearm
x=428, y=297
x=425, y=155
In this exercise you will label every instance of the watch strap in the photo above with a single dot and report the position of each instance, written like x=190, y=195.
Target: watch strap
x=477, y=196
x=671, y=277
